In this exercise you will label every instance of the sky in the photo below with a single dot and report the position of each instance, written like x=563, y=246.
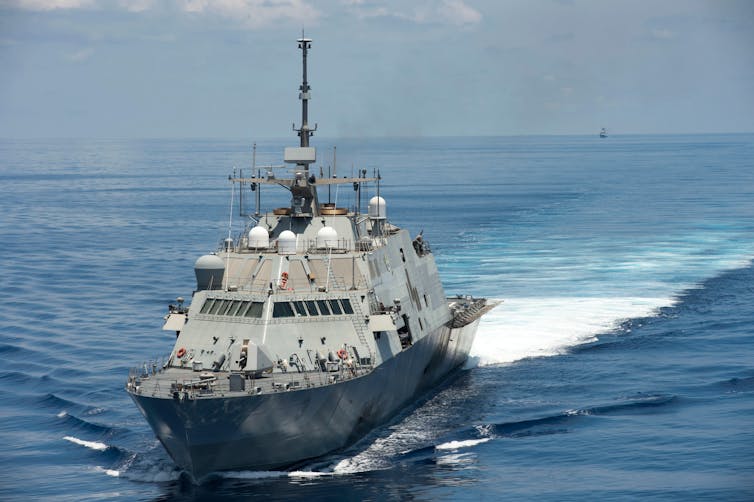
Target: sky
x=231, y=68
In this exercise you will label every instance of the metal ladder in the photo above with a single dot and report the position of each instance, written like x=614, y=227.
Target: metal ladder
x=361, y=331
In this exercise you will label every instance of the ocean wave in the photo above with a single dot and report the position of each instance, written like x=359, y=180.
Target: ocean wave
x=735, y=384
x=94, y=445
x=455, y=459
x=457, y=445
x=9, y=349
x=110, y=472
x=650, y=403
x=81, y=424
x=53, y=401
x=117, y=457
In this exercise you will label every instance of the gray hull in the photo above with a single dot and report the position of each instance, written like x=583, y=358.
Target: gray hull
x=277, y=430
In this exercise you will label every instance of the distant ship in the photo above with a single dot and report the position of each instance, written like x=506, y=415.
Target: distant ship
x=308, y=329
x=603, y=133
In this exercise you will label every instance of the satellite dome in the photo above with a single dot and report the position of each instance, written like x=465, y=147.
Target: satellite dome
x=287, y=242
x=209, y=270
x=377, y=208
x=327, y=237
x=259, y=237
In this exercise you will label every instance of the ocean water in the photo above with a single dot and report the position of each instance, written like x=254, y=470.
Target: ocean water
x=619, y=366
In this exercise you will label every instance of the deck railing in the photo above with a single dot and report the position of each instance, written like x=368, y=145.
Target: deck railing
x=143, y=380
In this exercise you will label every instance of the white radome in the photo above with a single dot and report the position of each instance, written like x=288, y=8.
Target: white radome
x=259, y=238
x=327, y=237
x=377, y=208
x=287, y=242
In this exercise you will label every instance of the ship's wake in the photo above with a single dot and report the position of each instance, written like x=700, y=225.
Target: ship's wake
x=459, y=447
x=535, y=327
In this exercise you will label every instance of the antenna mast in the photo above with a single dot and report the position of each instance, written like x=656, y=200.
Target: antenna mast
x=304, y=132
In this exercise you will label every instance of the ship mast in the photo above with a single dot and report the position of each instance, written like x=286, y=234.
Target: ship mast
x=304, y=132
x=304, y=200
x=303, y=185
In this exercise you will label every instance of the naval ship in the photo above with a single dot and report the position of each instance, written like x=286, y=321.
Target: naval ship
x=311, y=327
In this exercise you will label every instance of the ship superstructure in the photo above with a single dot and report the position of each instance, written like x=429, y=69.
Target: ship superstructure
x=311, y=327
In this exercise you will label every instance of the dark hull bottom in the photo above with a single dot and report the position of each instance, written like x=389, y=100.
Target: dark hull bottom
x=273, y=431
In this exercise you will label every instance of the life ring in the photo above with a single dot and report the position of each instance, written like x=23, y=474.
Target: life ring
x=283, y=280
x=181, y=352
x=342, y=354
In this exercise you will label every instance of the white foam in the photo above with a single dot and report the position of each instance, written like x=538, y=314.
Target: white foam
x=272, y=474
x=109, y=472
x=62, y=414
x=366, y=461
x=456, y=459
x=94, y=445
x=308, y=474
x=456, y=445
x=547, y=326
x=153, y=474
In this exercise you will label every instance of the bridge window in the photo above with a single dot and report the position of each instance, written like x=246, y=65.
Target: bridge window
x=323, y=308
x=254, y=310
x=299, y=308
x=238, y=312
x=234, y=308
x=311, y=307
x=207, y=305
x=346, y=306
x=229, y=307
x=335, y=307
x=219, y=304
x=282, y=309
x=295, y=308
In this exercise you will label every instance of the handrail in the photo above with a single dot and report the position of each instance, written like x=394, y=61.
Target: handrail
x=192, y=388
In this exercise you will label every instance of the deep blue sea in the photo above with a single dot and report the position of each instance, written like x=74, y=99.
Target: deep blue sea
x=620, y=365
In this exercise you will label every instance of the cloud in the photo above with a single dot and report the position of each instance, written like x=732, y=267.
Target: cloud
x=42, y=5
x=457, y=12
x=444, y=11
x=259, y=13
x=136, y=5
x=255, y=13
x=81, y=55
x=663, y=34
